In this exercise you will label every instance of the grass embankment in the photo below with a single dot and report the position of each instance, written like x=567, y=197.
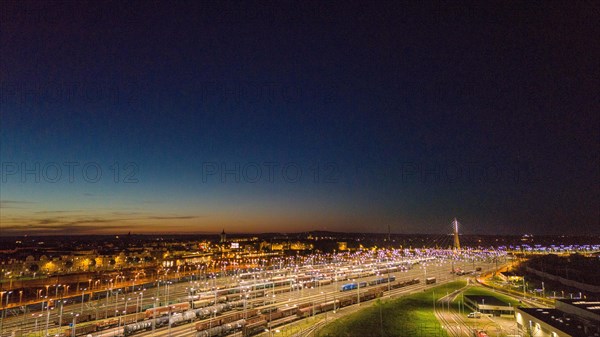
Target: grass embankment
x=409, y=316
x=294, y=328
x=481, y=291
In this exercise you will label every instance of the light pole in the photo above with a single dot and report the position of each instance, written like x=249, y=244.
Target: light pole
x=245, y=306
x=74, y=322
x=482, y=303
x=169, y=321
x=154, y=314
x=106, y=305
x=82, y=295
x=157, y=288
x=139, y=304
x=47, y=317
x=543, y=290
x=358, y=292
x=167, y=297
x=4, y=311
x=116, y=303
x=62, y=304
x=121, y=319
x=126, y=301
x=36, y=322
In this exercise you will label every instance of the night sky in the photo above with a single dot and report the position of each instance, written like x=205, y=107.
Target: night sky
x=251, y=117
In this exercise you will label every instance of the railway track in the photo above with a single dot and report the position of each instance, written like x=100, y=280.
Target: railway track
x=451, y=321
x=294, y=297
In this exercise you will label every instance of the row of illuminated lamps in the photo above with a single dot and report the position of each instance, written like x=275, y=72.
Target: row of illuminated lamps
x=110, y=284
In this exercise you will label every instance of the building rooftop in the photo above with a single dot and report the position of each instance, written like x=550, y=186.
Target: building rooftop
x=562, y=321
x=591, y=307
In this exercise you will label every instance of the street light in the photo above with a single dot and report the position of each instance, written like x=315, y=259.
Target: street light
x=74, y=322
x=167, y=297
x=121, y=319
x=482, y=303
x=154, y=314
x=137, y=303
x=36, y=321
x=47, y=316
x=62, y=304
x=4, y=311
x=170, y=313
x=82, y=295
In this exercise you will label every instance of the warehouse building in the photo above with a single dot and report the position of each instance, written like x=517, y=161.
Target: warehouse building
x=570, y=318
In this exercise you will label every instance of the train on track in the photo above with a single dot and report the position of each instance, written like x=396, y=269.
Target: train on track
x=223, y=311
x=255, y=322
x=219, y=319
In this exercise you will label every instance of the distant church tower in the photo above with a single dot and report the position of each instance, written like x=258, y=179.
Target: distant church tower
x=455, y=229
x=223, y=236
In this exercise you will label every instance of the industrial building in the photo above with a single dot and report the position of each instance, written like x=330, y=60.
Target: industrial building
x=569, y=318
x=489, y=305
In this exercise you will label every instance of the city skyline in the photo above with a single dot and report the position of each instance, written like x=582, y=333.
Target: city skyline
x=197, y=117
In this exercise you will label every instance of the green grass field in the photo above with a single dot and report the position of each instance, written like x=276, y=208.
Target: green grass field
x=489, y=292
x=409, y=316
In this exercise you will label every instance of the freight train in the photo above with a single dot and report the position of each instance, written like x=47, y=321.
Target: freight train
x=353, y=285
x=257, y=322
x=217, y=321
x=382, y=280
x=430, y=280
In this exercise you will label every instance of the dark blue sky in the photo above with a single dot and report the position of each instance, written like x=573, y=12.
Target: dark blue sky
x=298, y=116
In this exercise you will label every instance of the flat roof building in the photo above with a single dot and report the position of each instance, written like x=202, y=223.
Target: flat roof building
x=585, y=309
x=489, y=305
x=570, y=318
